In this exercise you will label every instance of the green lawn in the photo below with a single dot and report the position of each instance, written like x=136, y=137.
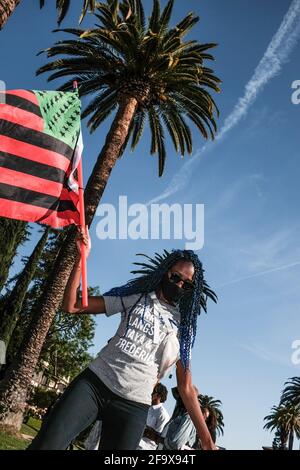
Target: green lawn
x=31, y=427
x=8, y=442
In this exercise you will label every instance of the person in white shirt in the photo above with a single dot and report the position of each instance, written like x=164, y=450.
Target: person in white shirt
x=157, y=418
x=159, y=310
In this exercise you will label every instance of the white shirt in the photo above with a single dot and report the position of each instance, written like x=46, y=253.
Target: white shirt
x=157, y=419
x=143, y=349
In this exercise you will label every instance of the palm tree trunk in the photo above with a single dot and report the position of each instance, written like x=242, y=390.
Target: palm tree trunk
x=16, y=385
x=7, y=7
x=12, y=304
x=291, y=439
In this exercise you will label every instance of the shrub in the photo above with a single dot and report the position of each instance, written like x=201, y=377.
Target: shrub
x=42, y=398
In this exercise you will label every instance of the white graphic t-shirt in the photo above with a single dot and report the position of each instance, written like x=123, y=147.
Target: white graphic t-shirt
x=157, y=418
x=143, y=349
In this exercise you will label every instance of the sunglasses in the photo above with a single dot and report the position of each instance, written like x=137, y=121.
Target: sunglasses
x=176, y=278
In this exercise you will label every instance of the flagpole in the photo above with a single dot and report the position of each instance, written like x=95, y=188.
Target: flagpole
x=83, y=247
x=82, y=225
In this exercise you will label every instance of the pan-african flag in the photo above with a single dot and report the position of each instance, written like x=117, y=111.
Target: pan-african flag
x=40, y=149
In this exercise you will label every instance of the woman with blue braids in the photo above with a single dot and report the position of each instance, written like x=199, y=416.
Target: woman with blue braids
x=159, y=310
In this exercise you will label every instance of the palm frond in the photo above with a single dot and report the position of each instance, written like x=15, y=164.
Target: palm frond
x=63, y=6
x=124, y=55
x=291, y=392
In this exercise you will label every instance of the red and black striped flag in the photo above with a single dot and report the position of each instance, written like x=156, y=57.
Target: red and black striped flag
x=40, y=149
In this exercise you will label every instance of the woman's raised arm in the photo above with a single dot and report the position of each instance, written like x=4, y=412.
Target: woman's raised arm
x=71, y=302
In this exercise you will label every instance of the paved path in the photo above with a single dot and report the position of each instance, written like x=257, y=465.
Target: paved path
x=28, y=438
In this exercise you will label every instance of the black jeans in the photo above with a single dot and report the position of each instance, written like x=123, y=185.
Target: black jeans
x=84, y=401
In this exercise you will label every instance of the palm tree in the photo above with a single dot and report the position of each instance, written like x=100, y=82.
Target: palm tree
x=11, y=304
x=291, y=392
x=42, y=271
x=162, y=75
x=7, y=7
x=13, y=233
x=285, y=419
x=215, y=420
x=137, y=71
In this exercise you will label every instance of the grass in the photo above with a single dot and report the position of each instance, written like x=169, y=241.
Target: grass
x=31, y=427
x=9, y=441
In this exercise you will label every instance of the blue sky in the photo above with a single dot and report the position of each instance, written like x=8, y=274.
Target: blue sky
x=248, y=181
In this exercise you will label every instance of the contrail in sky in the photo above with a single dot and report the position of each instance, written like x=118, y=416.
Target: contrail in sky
x=262, y=273
x=277, y=53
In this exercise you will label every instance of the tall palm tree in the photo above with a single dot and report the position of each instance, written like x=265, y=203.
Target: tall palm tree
x=291, y=392
x=216, y=418
x=7, y=7
x=163, y=75
x=13, y=233
x=285, y=419
x=137, y=71
x=11, y=304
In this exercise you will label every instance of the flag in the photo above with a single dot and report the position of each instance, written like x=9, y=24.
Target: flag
x=40, y=149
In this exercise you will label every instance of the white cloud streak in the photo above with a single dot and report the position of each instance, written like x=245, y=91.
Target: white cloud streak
x=277, y=53
x=265, y=354
x=261, y=273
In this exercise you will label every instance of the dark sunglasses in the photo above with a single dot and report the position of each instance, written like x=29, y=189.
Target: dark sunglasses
x=176, y=278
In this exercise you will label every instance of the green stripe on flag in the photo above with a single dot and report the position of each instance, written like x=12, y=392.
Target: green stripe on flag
x=61, y=112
